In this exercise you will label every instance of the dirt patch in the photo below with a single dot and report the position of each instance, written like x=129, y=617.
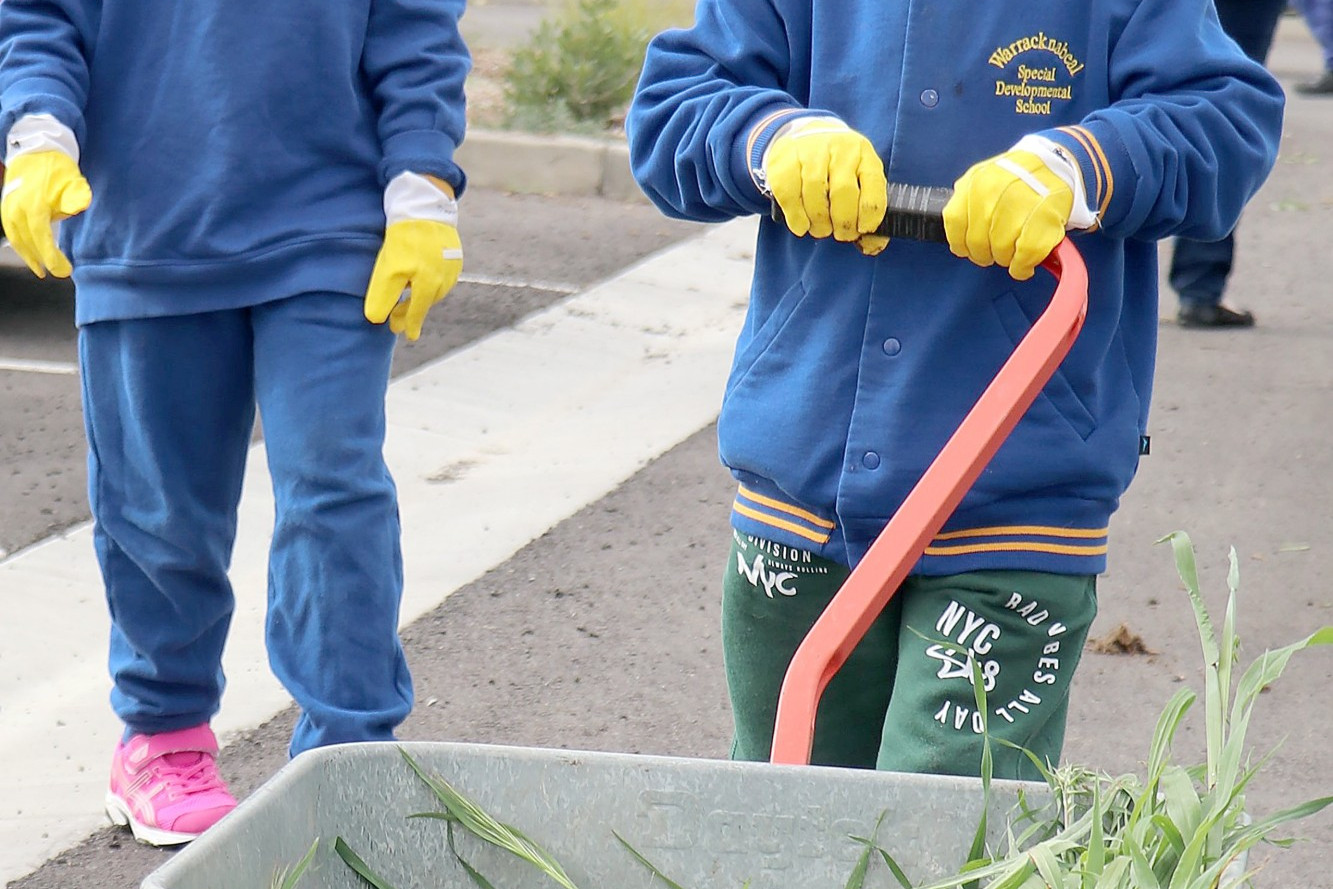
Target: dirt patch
x=1121, y=640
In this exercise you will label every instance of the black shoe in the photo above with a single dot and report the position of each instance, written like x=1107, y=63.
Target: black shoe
x=1197, y=315
x=1321, y=87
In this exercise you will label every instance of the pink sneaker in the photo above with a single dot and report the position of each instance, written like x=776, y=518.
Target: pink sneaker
x=166, y=787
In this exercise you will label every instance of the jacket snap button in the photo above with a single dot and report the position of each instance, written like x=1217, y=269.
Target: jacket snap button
x=930, y=98
x=870, y=460
x=892, y=346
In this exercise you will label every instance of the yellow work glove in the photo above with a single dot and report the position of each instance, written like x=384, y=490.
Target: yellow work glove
x=1010, y=209
x=828, y=180
x=418, y=265
x=41, y=188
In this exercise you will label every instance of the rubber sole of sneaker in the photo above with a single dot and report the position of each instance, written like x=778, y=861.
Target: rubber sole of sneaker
x=119, y=813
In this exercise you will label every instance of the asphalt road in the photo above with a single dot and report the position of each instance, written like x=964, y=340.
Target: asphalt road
x=602, y=634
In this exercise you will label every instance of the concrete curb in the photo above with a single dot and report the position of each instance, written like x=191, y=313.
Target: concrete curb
x=528, y=163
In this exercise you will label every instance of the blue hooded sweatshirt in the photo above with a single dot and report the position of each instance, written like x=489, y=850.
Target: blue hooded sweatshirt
x=851, y=372
x=237, y=150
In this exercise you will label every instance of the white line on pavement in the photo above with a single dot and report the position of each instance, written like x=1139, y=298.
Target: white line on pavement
x=25, y=365
x=546, y=416
x=519, y=284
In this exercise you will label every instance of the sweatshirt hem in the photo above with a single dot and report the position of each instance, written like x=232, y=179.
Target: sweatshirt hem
x=117, y=291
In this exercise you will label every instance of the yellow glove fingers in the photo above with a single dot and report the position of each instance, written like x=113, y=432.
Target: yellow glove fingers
x=827, y=179
x=427, y=289
x=36, y=244
x=784, y=179
x=872, y=245
x=874, y=198
x=54, y=260
x=1043, y=233
x=398, y=317
x=73, y=198
x=1010, y=209
x=387, y=284
x=955, y=214
x=857, y=190
x=17, y=229
x=844, y=189
x=421, y=257
x=980, y=206
x=41, y=188
x=1007, y=222
x=815, y=187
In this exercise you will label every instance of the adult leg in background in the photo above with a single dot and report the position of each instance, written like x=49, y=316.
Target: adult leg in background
x=1200, y=269
x=1318, y=15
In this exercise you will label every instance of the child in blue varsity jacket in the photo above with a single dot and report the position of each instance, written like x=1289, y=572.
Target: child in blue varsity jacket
x=1119, y=122
x=257, y=196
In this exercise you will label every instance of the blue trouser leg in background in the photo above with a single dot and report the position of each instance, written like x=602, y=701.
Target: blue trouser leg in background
x=335, y=570
x=1319, y=18
x=1199, y=269
x=170, y=408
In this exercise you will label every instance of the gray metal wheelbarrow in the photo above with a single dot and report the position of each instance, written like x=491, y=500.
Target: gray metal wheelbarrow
x=707, y=824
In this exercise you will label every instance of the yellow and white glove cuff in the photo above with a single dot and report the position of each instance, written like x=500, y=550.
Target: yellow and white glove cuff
x=40, y=132
x=413, y=196
x=804, y=126
x=1057, y=160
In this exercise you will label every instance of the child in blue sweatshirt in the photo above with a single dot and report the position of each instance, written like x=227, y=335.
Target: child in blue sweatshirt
x=1119, y=122
x=256, y=198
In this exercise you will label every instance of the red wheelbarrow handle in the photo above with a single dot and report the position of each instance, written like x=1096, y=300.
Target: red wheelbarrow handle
x=891, y=557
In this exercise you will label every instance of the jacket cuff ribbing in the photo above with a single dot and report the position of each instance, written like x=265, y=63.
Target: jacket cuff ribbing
x=422, y=152
x=762, y=132
x=1097, y=160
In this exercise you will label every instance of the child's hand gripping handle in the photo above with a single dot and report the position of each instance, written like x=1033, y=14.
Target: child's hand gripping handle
x=914, y=211
x=940, y=489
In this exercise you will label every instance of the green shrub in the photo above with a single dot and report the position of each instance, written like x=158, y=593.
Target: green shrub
x=578, y=70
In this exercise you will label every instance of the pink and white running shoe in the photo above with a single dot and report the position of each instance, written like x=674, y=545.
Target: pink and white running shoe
x=166, y=787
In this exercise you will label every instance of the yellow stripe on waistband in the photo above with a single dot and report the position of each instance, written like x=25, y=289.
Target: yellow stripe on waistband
x=1025, y=531
x=1012, y=546
x=765, y=518
x=786, y=507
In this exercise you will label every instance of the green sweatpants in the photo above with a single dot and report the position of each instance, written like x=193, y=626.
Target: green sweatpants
x=904, y=700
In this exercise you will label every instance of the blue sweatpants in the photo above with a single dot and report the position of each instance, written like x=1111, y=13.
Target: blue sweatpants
x=169, y=406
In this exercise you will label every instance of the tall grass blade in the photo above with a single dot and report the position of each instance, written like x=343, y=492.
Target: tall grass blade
x=1214, y=704
x=362, y=870
x=857, y=878
x=652, y=868
x=1096, y=857
x=285, y=879
x=481, y=824
x=894, y=868
x=467, y=867
x=978, y=847
x=1116, y=875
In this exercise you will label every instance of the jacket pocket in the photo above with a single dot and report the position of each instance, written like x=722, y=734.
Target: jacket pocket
x=752, y=347
x=1058, y=392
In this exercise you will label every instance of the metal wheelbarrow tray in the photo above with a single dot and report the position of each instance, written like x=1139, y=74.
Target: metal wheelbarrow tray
x=707, y=824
